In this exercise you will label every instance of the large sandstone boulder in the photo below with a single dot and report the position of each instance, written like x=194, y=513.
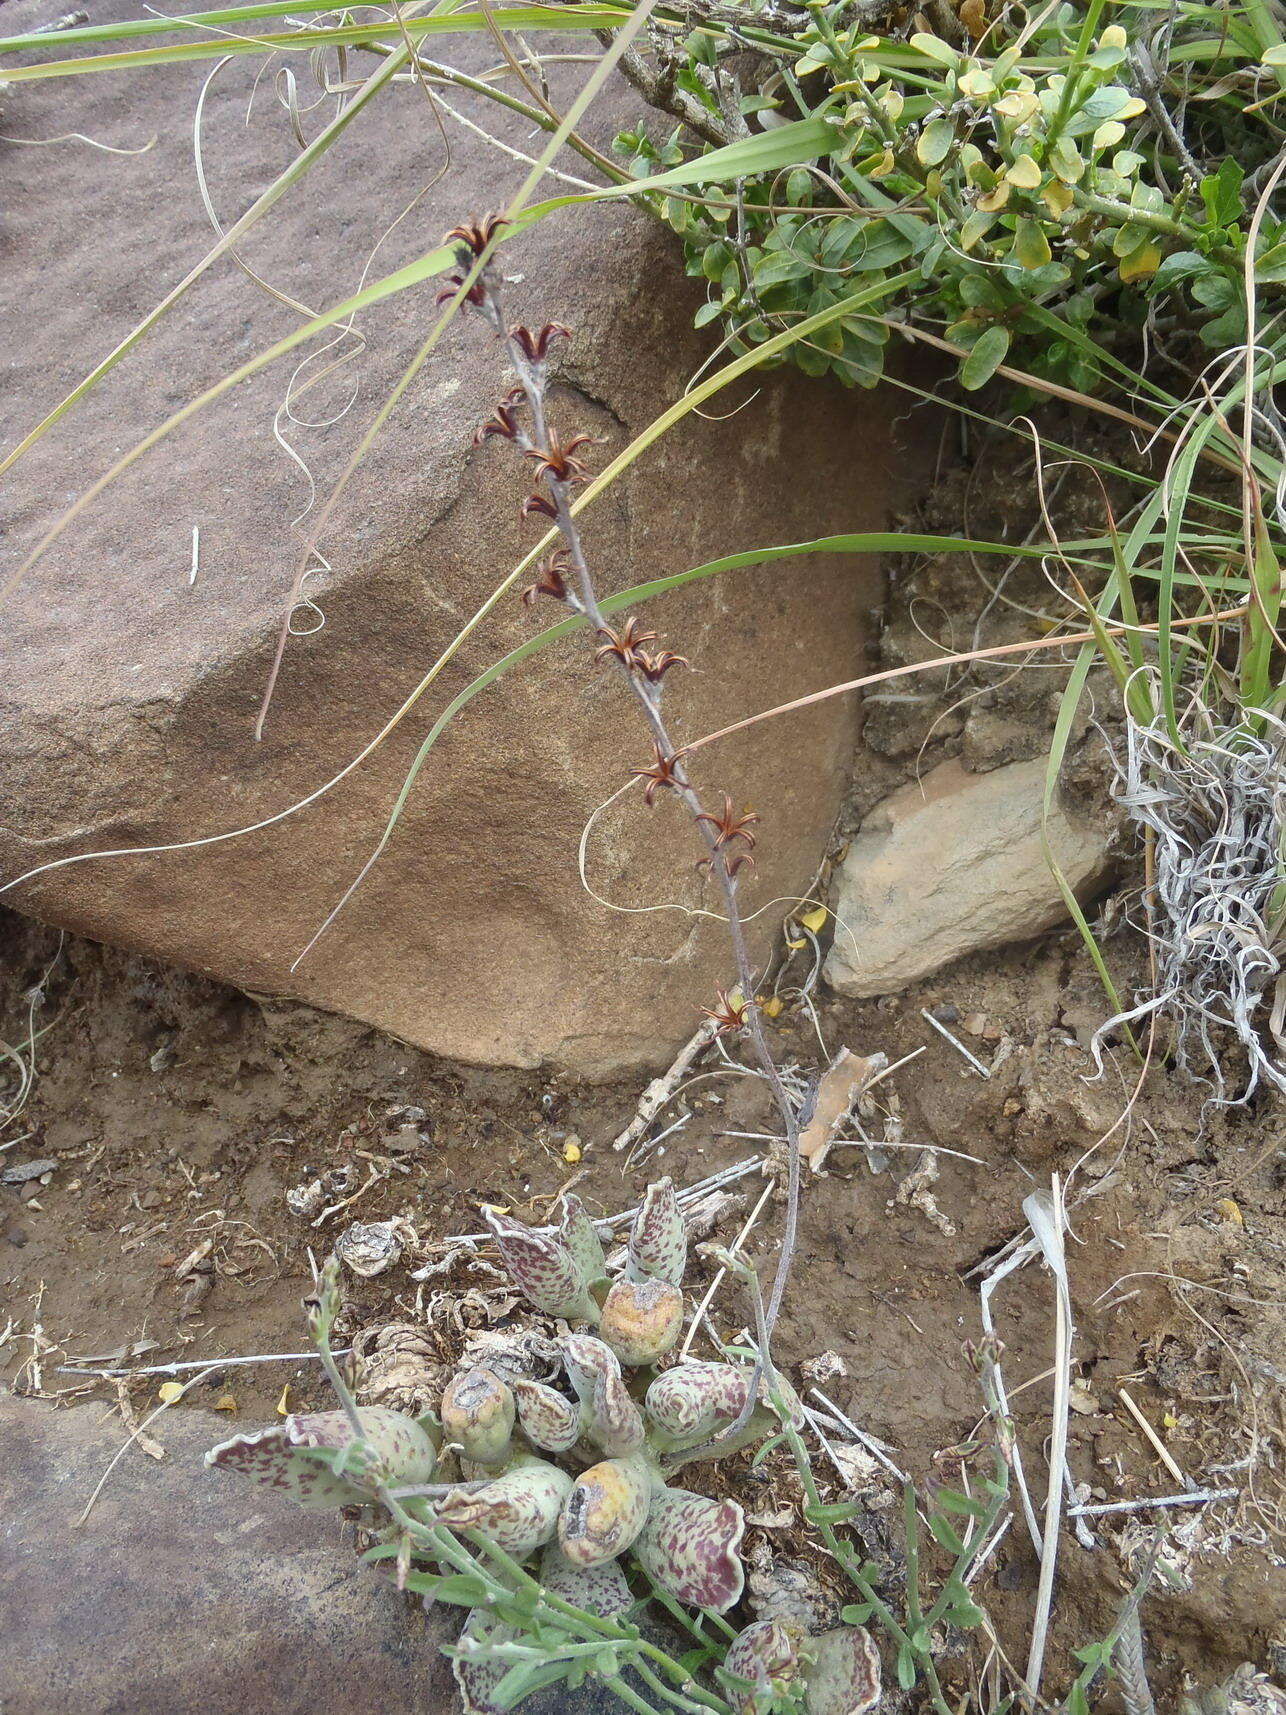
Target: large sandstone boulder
x=955, y=864
x=129, y=694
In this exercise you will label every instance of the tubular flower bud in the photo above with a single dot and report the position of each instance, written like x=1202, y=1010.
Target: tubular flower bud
x=605, y=1511
x=844, y=1673
x=689, y=1546
x=691, y=1399
x=548, y=1419
x=317, y=1460
x=542, y=1267
x=478, y=1415
x=658, y=1244
x=765, y=1655
x=641, y=1319
x=600, y=1589
x=612, y=1419
x=518, y=1510
x=580, y=1235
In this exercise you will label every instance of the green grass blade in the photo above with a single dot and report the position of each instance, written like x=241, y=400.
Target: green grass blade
x=523, y=18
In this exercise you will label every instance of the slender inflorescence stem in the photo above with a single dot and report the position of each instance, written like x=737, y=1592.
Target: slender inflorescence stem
x=726, y=837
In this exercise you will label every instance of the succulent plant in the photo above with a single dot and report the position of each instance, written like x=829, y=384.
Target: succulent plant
x=584, y=1477
x=839, y=1672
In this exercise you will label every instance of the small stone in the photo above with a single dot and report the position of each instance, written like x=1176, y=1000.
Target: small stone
x=955, y=864
x=16, y=1237
x=947, y=1013
x=975, y=1023
x=1012, y=1106
x=1082, y=1400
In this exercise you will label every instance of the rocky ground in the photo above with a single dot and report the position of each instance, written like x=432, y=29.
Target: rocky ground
x=178, y=1153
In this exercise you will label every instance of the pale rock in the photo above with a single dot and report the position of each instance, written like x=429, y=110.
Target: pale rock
x=950, y=865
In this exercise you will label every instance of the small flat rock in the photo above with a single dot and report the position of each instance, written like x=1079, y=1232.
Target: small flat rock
x=950, y=865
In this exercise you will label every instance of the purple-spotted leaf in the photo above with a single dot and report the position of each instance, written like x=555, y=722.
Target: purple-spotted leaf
x=605, y=1510
x=543, y=1268
x=658, y=1244
x=642, y=1319
x=580, y=1235
x=844, y=1674
x=549, y=1420
x=765, y=1656
x=689, y=1547
x=691, y=1399
x=477, y=1672
x=598, y=1589
x=478, y=1415
x=518, y=1511
x=316, y=1459
x=611, y=1418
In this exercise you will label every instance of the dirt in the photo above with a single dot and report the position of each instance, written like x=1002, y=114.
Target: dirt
x=179, y=1114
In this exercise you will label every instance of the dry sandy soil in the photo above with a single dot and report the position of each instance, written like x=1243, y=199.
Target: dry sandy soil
x=179, y=1115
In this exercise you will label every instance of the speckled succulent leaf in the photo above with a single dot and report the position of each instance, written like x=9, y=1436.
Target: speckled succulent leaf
x=549, y=1420
x=315, y=1459
x=611, y=1418
x=615, y=1422
x=605, y=1510
x=689, y=1546
x=542, y=1268
x=642, y=1319
x=586, y=1359
x=266, y=1457
x=761, y=1654
x=393, y=1448
x=518, y=1510
x=598, y=1589
x=843, y=1677
x=477, y=1672
x=478, y=1415
x=691, y=1399
x=580, y=1235
x=658, y=1243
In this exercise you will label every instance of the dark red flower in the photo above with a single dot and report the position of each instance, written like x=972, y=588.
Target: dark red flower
x=624, y=644
x=475, y=235
x=505, y=421
x=558, y=461
x=727, y=828
x=551, y=577
x=729, y=1014
x=660, y=773
x=535, y=346
x=655, y=667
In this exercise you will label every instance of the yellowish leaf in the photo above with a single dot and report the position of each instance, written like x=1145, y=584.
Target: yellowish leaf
x=226, y=1402
x=169, y=1393
x=1230, y=1211
x=772, y=1006
x=283, y=1404
x=994, y=199
x=815, y=920
x=1024, y=175
x=571, y=1152
x=1140, y=264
